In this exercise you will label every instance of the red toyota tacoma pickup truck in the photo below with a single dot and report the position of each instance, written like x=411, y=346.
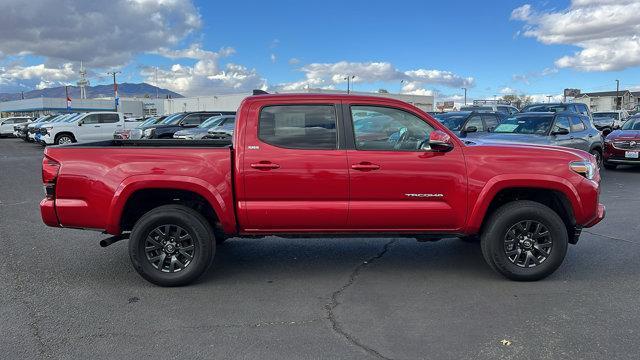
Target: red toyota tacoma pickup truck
x=324, y=165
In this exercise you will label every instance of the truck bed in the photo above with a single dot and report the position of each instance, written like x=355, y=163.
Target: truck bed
x=156, y=143
x=96, y=179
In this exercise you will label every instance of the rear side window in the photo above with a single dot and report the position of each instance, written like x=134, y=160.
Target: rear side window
x=577, y=124
x=299, y=126
x=109, y=118
x=193, y=119
x=582, y=109
x=475, y=121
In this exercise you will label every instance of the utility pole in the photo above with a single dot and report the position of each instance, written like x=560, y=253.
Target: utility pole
x=115, y=88
x=549, y=98
x=465, y=95
x=348, y=78
x=617, y=95
x=157, y=90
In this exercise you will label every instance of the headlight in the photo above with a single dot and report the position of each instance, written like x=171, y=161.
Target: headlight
x=584, y=168
x=147, y=132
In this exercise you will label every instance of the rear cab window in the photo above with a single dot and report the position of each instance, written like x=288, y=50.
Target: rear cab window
x=299, y=126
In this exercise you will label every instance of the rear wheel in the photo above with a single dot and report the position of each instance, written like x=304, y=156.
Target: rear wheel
x=63, y=139
x=171, y=245
x=524, y=241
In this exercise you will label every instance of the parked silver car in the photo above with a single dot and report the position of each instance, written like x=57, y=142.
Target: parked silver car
x=550, y=128
x=199, y=132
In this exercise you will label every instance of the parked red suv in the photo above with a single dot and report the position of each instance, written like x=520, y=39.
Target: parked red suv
x=621, y=147
x=297, y=166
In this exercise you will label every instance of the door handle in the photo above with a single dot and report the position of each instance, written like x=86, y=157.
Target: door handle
x=365, y=166
x=96, y=126
x=265, y=165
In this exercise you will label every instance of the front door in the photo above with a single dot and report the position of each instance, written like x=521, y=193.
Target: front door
x=562, y=122
x=396, y=182
x=295, y=173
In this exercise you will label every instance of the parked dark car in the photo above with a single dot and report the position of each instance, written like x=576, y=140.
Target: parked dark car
x=180, y=121
x=622, y=147
x=470, y=123
x=550, y=128
x=199, y=132
x=21, y=130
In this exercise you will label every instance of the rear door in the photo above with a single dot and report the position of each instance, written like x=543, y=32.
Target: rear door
x=294, y=170
x=109, y=123
x=396, y=182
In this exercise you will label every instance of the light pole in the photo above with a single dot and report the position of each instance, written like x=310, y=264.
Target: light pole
x=115, y=88
x=617, y=96
x=465, y=95
x=348, y=78
x=549, y=98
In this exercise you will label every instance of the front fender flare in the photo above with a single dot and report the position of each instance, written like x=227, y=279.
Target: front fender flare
x=502, y=182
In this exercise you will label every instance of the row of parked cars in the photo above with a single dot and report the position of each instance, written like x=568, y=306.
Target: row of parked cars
x=69, y=128
x=611, y=137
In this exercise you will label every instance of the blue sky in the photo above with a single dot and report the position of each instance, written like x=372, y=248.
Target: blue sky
x=492, y=48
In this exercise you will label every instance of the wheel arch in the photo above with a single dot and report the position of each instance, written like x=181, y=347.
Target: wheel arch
x=556, y=193
x=150, y=191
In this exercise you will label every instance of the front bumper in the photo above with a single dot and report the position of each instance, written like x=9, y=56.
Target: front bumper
x=600, y=214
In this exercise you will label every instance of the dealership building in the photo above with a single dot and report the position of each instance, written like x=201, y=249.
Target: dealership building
x=137, y=107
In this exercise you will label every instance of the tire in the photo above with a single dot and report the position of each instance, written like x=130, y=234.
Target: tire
x=598, y=154
x=62, y=139
x=514, y=216
x=194, y=254
x=610, y=166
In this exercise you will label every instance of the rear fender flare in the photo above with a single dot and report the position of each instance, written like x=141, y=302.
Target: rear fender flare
x=162, y=181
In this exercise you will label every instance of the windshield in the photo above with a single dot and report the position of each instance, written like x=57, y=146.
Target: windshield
x=149, y=121
x=73, y=117
x=172, y=120
x=545, y=108
x=453, y=122
x=61, y=118
x=211, y=122
x=632, y=124
x=538, y=125
x=605, y=115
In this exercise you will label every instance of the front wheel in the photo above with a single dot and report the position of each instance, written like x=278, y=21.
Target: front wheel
x=524, y=240
x=64, y=139
x=171, y=245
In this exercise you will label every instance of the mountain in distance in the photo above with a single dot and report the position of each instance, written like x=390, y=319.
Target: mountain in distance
x=99, y=91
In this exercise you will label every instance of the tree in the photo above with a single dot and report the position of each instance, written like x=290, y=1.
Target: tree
x=518, y=101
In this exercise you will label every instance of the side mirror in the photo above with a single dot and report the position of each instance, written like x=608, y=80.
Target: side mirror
x=440, y=141
x=561, y=131
x=470, y=129
x=80, y=123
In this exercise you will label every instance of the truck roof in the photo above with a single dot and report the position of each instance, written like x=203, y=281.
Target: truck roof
x=321, y=96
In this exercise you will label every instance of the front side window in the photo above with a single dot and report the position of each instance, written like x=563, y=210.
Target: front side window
x=91, y=119
x=577, y=124
x=562, y=123
x=491, y=121
x=382, y=128
x=193, y=119
x=299, y=126
x=475, y=121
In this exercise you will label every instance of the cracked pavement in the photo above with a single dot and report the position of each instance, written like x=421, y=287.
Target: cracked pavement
x=64, y=297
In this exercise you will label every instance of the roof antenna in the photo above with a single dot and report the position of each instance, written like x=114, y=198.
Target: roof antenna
x=259, y=92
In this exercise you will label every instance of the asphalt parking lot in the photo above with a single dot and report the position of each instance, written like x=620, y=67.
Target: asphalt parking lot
x=65, y=297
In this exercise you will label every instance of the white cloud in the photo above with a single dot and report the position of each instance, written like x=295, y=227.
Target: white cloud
x=508, y=91
x=332, y=74
x=206, y=76
x=273, y=58
x=101, y=33
x=38, y=76
x=607, y=31
x=294, y=61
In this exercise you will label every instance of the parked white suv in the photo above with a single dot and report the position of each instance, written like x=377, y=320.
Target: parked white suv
x=501, y=108
x=619, y=116
x=92, y=126
x=6, y=124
